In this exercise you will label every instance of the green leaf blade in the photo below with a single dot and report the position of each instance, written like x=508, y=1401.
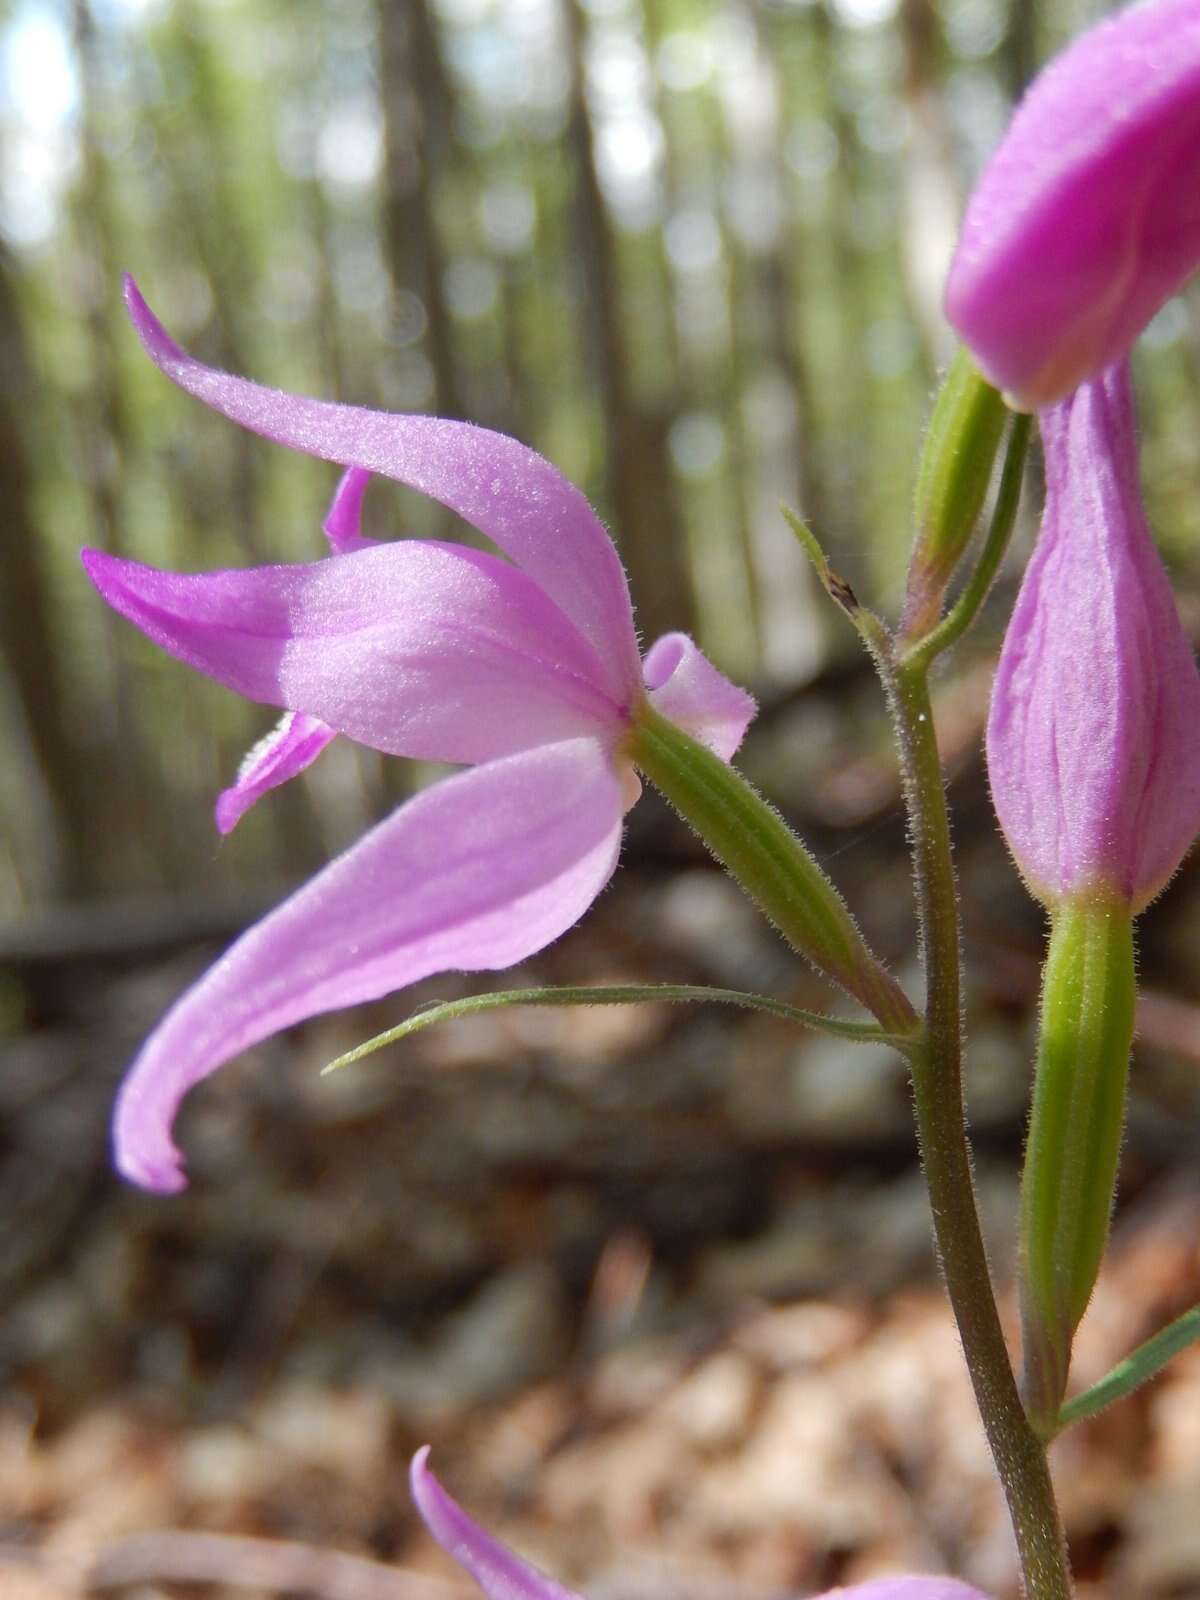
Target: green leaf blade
x=1146, y=1362
x=621, y=994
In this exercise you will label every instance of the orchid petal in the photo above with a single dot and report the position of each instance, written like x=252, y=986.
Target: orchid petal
x=686, y=688
x=1087, y=218
x=498, y=1572
x=1092, y=744
x=421, y=649
x=472, y=875
x=293, y=744
x=343, y=522
x=507, y=491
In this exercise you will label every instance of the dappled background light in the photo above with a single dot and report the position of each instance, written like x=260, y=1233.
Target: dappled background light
x=693, y=252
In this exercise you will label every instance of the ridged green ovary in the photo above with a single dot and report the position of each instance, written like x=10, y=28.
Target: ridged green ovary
x=1088, y=996
x=755, y=844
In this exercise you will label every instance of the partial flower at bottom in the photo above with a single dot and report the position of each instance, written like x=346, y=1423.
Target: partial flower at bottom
x=502, y=1575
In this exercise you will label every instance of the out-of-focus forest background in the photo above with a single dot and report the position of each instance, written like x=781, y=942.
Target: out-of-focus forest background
x=658, y=1285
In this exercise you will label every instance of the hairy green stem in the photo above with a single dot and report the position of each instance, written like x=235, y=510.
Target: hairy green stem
x=1019, y=1454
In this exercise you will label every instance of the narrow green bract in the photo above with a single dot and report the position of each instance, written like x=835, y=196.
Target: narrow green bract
x=1088, y=997
x=1142, y=1364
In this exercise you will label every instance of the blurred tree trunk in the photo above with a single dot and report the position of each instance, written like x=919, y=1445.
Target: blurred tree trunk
x=930, y=194
x=96, y=274
x=30, y=652
x=640, y=488
x=130, y=787
x=1020, y=46
x=200, y=158
x=417, y=106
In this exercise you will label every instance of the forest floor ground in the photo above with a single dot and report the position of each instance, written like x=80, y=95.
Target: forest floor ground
x=656, y=1284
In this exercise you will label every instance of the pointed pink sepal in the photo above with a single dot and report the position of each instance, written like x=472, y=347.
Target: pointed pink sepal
x=500, y=1573
x=422, y=649
x=511, y=494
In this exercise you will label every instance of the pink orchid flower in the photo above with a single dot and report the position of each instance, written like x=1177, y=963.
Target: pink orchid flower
x=1087, y=218
x=1092, y=740
x=525, y=670
x=504, y=1576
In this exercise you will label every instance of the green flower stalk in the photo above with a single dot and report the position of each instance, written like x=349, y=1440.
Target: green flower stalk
x=1089, y=989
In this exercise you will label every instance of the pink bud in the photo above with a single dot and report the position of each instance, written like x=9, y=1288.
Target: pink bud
x=1087, y=218
x=1093, y=740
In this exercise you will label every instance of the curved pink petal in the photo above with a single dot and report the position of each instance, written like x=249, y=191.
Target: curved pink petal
x=472, y=875
x=1087, y=218
x=420, y=649
x=1093, y=740
x=343, y=521
x=686, y=688
x=498, y=1572
x=507, y=491
x=293, y=744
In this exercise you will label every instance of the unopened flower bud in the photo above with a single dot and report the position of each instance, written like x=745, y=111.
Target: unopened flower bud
x=1093, y=741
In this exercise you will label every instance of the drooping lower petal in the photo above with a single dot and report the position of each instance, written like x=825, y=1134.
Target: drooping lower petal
x=686, y=688
x=502, y=1575
x=507, y=491
x=416, y=648
x=472, y=875
x=293, y=744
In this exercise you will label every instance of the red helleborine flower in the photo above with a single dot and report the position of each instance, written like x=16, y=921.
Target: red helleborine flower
x=526, y=671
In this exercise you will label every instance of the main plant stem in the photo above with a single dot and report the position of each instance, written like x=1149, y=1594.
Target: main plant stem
x=1019, y=1454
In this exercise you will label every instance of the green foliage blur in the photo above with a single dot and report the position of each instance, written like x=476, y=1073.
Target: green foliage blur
x=690, y=249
